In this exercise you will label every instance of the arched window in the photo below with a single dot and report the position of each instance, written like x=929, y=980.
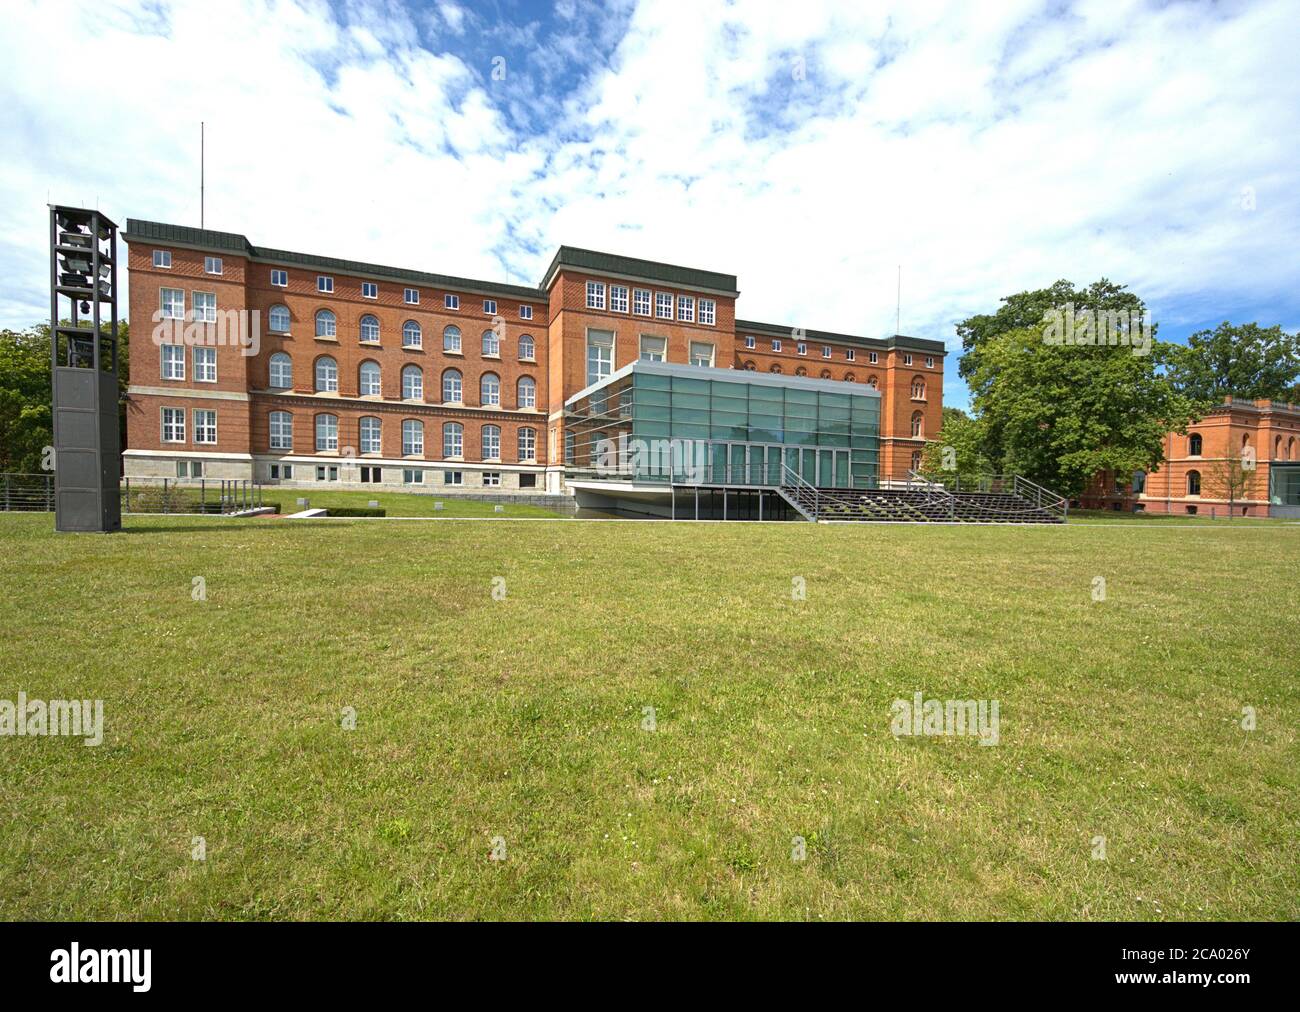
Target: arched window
x=327, y=375
x=1193, y=482
x=412, y=437
x=527, y=392
x=918, y=388
x=281, y=430
x=527, y=444
x=451, y=339
x=850, y=378
x=491, y=343
x=369, y=329
x=526, y=348
x=826, y=374
x=491, y=442
x=369, y=385
x=490, y=390
x=279, y=319
x=281, y=371
x=412, y=383
x=327, y=432
x=1245, y=440
x=801, y=371
x=916, y=460
x=1194, y=445
x=1290, y=448
x=411, y=335
x=453, y=440
x=370, y=432
x=918, y=425
x=873, y=382
x=750, y=367
x=1277, y=448
x=776, y=367
x=327, y=324
x=451, y=392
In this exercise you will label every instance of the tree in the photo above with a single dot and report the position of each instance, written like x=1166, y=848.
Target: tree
x=26, y=421
x=958, y=452
x=1228, y=478
x=1059, y=414
x=1246, y=360
x=1026, y=309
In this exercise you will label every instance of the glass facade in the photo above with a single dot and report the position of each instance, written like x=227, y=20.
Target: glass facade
x=653, y=422
x=1284, y=485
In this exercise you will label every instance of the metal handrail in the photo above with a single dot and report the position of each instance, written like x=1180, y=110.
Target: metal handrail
x=802, y=483
x=1061, y=505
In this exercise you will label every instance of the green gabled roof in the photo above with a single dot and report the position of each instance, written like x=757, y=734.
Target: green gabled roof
x=876, y=343
x=200, y=238
x=647, y=270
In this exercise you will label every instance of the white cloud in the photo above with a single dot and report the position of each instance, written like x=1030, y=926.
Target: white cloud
x=986, y=149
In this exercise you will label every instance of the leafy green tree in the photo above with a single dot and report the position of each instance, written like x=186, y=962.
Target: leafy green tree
x=958, y=452
x=1059, y=414
x=26, y=420
x=1245, y=360
x=1026, y=309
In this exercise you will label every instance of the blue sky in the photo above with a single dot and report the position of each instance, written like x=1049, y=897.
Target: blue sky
x=809, y=148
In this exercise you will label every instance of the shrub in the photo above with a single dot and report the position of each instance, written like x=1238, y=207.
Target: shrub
x=354, y=511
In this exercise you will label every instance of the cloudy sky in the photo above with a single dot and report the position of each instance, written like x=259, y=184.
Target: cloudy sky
x=810, y=148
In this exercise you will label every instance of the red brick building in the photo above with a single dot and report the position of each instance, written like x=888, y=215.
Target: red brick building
x=263, y=364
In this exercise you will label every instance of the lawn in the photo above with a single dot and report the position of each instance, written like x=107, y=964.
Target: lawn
x=522, y=719
x=399, y=504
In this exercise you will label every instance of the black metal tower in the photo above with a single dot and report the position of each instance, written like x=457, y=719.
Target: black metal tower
x=87, y=443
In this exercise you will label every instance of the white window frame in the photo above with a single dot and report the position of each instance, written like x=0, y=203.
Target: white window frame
x=460, y=383
x=490, y=307
x=377, y=372
x=776, y=344
x=618, y=300
x=203, y=306
x=525, y=312
x=205, y=423
x=412, y=391
x=529, y=384
x=446, y=332
x=483, y=395
x=664, y=305
x=907, y=359
x=453, y=440
x=168, y=307
x=331, y=440
x=361, y=329
x=642, y=302
x=369, y=290
x=647, y=355
x=212, y=265
x=526, y=441
x=271, y=315
x=412, y=476
x=173, y=355
x=750, y=342
x=929, y=361
x=411, y=296
x=162, y=259
x=205, y=364
x=686, y=308
x=278, y=423
x=412, y=437
x=491, y=479
x=176, y=425
x=600, y=343
x=490, y=432
x=708, y=312
x=450, y=301
x=850, y=354
x=712, y=356
x=279, y=278
x=595, y=295
x=491, y=344
x=826, y=351
x=454, y=478
x=324, y=284
x=316, y=376
x=279, y=356
x=406, y=334
x=801, y=348
x=873, y=357
x=532, y=348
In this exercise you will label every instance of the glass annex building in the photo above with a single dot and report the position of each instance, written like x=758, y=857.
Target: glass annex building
x=654, y=428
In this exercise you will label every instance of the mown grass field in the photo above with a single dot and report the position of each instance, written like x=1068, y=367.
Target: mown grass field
x=522, y=719
x=400, y=504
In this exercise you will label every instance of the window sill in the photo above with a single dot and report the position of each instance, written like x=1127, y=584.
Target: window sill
x=370, y=344
x=412, y=347
x=529, y=361
x=448, y=351
x=331, y=340
x=494, y=358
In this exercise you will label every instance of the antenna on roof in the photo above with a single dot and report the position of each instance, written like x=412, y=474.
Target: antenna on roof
x=898, y=305
x=202, y=160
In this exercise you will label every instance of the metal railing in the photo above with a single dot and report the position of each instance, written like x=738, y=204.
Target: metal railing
x=1042, y=498
x=1022, y=488
x=790, y=478
x=172, y=495
x=32, y=493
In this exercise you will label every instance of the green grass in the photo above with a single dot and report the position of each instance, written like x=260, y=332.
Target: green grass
x=522, y=719
x=1169, y=519
x=399, y=504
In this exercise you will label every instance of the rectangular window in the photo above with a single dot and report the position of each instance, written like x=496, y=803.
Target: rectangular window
x=189, y=469
x=492, y=478
x=528, y=480
x=173, y=361
x=205, y=365
x=324, y=284
x=491, y=442
x=453, y=440
x=525, y=312
x=327, y=472
x=205, y=425
x=372, y=475
x=453, y=478
x=411, y=296
x=412, y=439
x=750, y=342
x=872, y=357
x=173, y=425
x=653, y=348
x=212, y=265
x=327, y=432
x=450, y=301
x=281, y=431
x=776, y=344
x=279, y=471
x=641, y=302
x=527, y=444
x=369, y=290
x=929, y=362
x=370, y=435
x=708, y=312
x=686, y=308
x=490, y=307
x=595, y=295
x=279, y=278
x=850, y=354
x=801, y=348
x=162, y=258
x=618, y=298
x=663, y=305
x=600, y=355
x=205, y=307
x=907, y=360
x=412, y=475
x=173, y=303
x=701, y=354
x=826, y=351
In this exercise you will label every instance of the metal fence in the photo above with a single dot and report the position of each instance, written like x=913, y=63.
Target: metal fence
x=35, y=493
